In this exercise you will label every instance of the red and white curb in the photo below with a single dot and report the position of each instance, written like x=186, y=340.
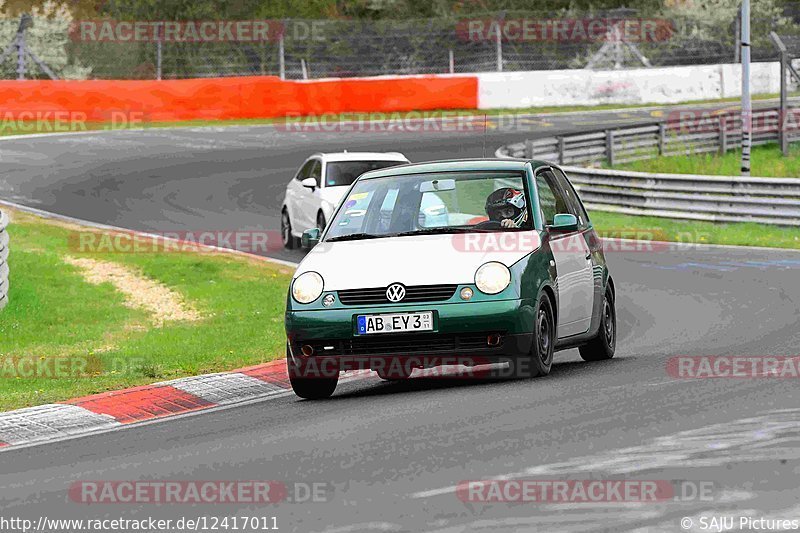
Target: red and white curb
x=108, y=410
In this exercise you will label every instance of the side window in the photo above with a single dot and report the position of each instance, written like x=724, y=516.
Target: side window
x=316, y=172
x=574, y=203
x=305, y=170
x=551, y=199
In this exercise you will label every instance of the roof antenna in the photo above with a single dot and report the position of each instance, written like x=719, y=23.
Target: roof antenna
x=484, y=135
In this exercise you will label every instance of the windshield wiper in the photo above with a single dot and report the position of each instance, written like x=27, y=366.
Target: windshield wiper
x=354, y=237
x=442, y=230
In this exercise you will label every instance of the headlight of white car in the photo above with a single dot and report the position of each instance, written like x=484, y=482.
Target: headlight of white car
x=307, y=287
x=492, y=278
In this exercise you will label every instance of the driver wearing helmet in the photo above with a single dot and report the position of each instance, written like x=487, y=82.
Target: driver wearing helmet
x=507, y=206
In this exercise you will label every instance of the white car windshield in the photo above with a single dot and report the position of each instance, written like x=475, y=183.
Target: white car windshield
x=345, y=172
x=442, y=202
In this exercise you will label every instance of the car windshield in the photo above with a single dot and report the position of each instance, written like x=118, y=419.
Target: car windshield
x=346, y=172
x=446, y=202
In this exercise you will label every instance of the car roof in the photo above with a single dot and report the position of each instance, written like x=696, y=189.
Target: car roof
x=454, y=165
x=362, y=156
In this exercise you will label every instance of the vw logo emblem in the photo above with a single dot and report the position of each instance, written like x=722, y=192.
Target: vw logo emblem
x=395, y=292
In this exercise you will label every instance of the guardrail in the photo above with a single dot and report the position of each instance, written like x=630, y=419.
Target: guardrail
x=681, y=134
x=774, y=201
x=3, y=259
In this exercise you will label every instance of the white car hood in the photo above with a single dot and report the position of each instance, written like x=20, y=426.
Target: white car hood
x=414, y=260
x=332, y=195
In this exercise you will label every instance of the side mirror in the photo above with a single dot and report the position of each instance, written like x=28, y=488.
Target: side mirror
x=311, y=183
x=310, y=237
x=564, y=222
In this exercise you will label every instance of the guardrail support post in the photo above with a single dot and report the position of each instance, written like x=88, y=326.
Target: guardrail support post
x=561, y=143
x=528, y=149
x=662, y=138
x=723, y=134
x=610, y=147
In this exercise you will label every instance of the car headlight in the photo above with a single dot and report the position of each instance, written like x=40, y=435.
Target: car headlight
x=492, y=278
x=307, y=287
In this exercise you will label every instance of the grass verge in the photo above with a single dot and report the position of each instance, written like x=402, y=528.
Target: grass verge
x=55, y=314
x=694, y=232
x=765, y=161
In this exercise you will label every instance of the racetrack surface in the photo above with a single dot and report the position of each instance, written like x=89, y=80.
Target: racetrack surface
x=391, y=454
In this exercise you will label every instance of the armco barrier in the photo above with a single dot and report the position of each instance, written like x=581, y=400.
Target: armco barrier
x=236, y=98
x=773, y=201
x=3, y=259
x=708, y=132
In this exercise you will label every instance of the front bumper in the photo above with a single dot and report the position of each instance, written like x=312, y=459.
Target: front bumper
x=461, y=333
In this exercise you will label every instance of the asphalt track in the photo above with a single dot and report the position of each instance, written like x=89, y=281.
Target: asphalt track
x=390, y=454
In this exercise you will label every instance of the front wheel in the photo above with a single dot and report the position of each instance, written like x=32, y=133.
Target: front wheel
x=604, y=344
x=311, y=384
x=540, y=359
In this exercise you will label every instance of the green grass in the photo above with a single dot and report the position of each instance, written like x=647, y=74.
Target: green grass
x=694, y=232
x=765, y=161
x=53, y=312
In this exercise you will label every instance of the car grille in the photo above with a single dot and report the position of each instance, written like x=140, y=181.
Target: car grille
x=407, y=344
x=414, y=294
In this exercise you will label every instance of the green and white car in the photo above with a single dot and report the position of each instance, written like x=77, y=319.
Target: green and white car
x=451, y=262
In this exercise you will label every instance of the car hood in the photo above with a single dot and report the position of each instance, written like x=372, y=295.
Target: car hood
x=414, y=260
x=332, y=195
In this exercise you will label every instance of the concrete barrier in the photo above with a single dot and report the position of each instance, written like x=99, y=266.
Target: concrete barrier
x=664, y=85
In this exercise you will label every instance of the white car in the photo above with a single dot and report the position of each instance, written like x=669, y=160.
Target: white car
x=313, y=194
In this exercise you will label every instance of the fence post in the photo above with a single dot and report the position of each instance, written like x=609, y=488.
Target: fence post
x=662, y=137
x=281, y=58
x=452, y=62
x=561, y=143
x=158, y=50
x=610, y=147
x=723, y=134
x=783, y=138
x=528, y=149
x=499, y=42
x=304, y=69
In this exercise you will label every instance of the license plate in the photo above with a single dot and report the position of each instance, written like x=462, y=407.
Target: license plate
x=395, y=323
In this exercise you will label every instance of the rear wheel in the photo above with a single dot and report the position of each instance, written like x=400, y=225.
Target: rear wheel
x=540, y=359
x=289, y=241
x=604, y=344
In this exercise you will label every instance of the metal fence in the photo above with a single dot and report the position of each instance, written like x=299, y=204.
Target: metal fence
x=684, y=132
x=3, y=259
x=774, y=201
x=346, y=48
x=695, y=197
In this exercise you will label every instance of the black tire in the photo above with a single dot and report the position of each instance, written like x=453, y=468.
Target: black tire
x=397, y=375
x=540, y=360
x=310, y=388
x=602, y=347
x=289, y=241
x=321, y=221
